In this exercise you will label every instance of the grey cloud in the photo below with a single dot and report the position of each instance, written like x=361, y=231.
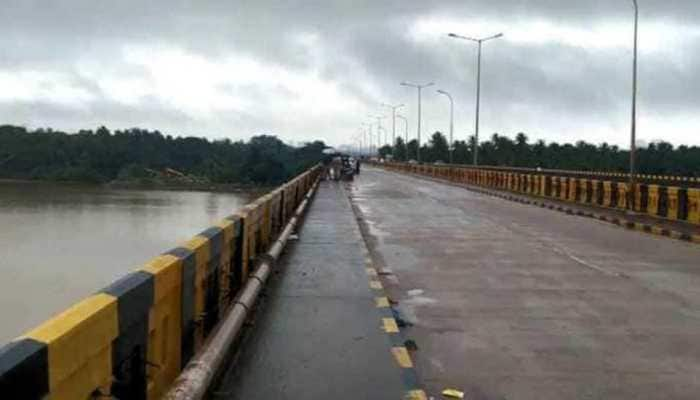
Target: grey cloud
x=363, y=42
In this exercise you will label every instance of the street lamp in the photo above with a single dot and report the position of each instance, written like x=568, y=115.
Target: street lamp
x=405, y=132
x=358, y=140
x=379, y=129
x=633, y=128
x=420, y=88
x=452, y=120
x=405, y=124
x=393, y=121
x=369, y=133
x=361, y=139
x=478, y=85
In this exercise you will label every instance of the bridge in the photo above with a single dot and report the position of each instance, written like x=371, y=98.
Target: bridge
x=412, y=279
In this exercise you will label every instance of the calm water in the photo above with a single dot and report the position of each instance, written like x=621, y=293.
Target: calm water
x=59, y=243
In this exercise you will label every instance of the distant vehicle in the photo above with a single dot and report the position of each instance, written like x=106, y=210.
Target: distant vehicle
x=347, y=172
x=439, y=162
x=412, y=161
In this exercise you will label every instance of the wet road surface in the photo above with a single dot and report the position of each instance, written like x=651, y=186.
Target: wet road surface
x=510, y=301
x=318, y=334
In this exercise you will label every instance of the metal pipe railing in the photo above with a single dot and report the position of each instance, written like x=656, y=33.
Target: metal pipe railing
x=197, y=376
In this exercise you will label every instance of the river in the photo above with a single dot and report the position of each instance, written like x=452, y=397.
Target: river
x=62, y=242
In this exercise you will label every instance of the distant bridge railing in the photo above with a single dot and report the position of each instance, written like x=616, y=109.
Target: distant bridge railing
x=667, y=180
x=131, y=339
x=675, y=202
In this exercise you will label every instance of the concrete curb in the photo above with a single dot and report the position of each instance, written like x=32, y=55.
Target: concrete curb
x=389, y=324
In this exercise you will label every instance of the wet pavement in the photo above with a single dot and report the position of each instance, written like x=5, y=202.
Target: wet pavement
x=318, y=332
x=510, y=301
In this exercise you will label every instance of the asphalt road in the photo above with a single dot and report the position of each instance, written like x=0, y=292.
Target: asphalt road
x=510, y=301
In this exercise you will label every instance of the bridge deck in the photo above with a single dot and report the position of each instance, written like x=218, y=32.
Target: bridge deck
x=511, y=301
x=317, y=335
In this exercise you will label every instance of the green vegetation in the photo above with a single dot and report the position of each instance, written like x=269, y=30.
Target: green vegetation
x=659, y=158
x=138, y=155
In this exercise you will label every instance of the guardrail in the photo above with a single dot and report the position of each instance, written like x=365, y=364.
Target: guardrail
x=669, y=180
x=131, y=339
x=671, y=202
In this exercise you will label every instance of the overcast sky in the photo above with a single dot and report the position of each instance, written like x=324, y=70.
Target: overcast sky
x=306, y=70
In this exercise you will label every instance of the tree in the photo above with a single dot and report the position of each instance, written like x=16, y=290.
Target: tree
x=522, y=151
x=103, y=156
x=438, y=148
x=385, y=150
x=412, y=150
x=400, y=149
x=462, y=154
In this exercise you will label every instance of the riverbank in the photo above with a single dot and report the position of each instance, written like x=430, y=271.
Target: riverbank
x=154, y=185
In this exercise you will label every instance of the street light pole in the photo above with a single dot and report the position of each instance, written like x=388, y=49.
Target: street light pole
x=379, y=130
x=452, y=122
x=405, y=124
x=369, y=132
x=633, y=128
x=393, y=125
x=478, y=85
x=405, y=133
x=361, y=138
x=419, y=88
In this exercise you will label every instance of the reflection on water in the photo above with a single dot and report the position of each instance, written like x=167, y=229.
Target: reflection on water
x=59, y=243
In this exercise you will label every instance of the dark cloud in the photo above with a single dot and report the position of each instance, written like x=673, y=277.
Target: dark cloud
x=365, y=48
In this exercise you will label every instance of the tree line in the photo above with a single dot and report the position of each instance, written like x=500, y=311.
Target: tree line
x=658, y=158
x=103, y=156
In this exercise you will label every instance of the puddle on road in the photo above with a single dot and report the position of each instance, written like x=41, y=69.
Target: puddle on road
x=408, y=305
x=366, y=212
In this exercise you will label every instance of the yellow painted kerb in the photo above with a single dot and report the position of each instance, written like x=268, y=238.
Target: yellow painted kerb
x=375, y=285
x=390, y=325
x=416, y=395
x=402, y=357
x=656, y=230
x=381, y=302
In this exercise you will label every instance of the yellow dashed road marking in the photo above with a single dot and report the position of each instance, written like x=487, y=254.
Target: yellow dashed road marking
x=381, y=302
x=390, y=325
x=402, y=357
x=376, y=285
x=416, y=395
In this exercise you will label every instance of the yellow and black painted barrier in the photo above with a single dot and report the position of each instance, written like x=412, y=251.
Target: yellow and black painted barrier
x=666, y=180
x=680, y=203
x=671, y=202
x=131, y=339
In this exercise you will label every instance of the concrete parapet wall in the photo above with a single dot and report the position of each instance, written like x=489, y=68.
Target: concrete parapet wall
x=664, y=201
x=131, y=339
